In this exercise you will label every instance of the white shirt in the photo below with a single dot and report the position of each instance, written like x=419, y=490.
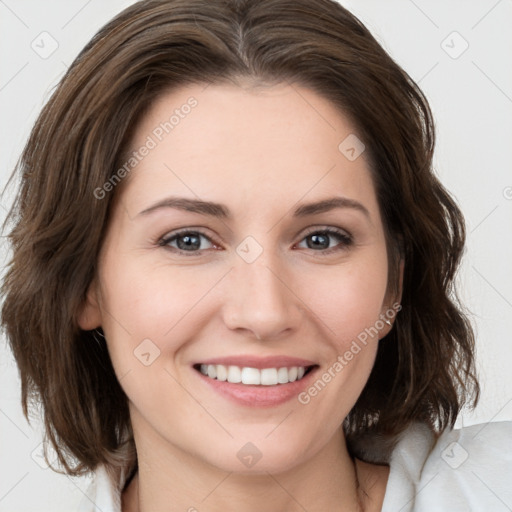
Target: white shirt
x=464, y=470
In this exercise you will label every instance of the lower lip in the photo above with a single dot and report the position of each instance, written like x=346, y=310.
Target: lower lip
x=259, y=396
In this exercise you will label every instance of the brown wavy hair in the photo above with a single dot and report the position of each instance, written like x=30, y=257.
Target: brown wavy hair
x=424, y=370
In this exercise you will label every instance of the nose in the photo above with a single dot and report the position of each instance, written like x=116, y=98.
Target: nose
x=260, y=300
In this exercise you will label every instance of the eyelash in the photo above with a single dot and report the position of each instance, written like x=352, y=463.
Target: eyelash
x=346, y=240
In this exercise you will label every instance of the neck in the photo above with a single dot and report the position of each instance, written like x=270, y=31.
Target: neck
x=170, y=480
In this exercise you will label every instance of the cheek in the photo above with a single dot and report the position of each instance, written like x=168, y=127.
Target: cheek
x=348, y=298
x=170, y=306
x=152, y=311
x=151, y=301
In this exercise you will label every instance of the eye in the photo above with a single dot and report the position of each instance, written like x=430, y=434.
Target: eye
x=191, y=241
x=320, y=240
x=186, y=241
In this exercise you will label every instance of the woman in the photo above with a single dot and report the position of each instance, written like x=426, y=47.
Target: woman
x=232, y=274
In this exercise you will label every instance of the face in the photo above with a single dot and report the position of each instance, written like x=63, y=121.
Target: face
x=245, y=245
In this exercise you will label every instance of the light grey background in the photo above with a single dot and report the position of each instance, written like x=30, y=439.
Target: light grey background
x=470, y=91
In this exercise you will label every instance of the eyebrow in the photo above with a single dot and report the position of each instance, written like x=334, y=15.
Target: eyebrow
x=222, y=212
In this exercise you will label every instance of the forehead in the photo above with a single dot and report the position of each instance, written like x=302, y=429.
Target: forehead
x=277, y=144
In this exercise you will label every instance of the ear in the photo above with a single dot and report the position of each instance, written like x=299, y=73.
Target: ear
x=89, y=314
x=392, y=304
x=398, y=297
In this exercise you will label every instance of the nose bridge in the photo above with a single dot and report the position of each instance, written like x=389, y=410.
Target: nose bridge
x=260, y=299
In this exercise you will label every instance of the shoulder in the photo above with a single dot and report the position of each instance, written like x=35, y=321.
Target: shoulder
x=463, y=469
x=103, y=493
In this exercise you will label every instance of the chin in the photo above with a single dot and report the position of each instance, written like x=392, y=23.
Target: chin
x=261, y=456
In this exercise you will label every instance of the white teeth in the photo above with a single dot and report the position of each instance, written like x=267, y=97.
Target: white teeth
x=234, y=374
x=212, y=371
x=269, y=377
x=253, y=376
x=222, y=372
x=282, y=375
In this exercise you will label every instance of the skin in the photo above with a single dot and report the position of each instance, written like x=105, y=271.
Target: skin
x=261, y=153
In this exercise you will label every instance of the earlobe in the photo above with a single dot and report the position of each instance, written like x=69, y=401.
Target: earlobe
x=89, y=314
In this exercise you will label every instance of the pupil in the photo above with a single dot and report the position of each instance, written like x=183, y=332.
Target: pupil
x=319, y=241
x=188, y=242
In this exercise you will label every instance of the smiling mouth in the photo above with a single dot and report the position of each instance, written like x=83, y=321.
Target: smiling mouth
x=253, y=376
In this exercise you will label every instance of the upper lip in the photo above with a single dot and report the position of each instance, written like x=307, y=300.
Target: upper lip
x=247, y=361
